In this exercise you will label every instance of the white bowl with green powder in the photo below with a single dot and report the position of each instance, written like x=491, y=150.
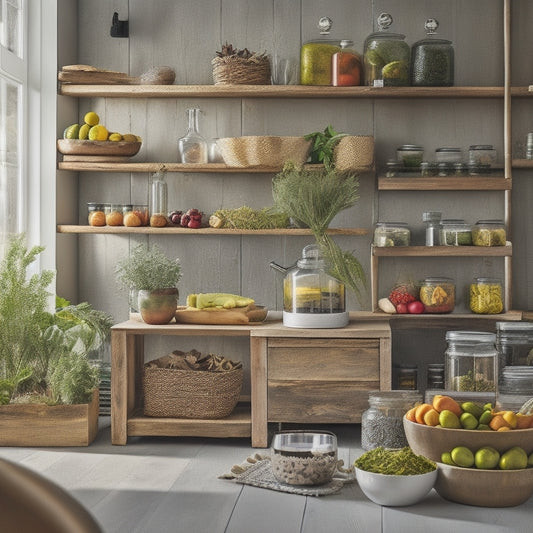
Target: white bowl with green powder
x=395, y=478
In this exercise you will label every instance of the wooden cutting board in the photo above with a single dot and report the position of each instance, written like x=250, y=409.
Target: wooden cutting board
x=237, y=315
x=89, y=75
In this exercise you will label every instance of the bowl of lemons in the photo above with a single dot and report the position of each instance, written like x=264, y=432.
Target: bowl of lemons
x=92, y=138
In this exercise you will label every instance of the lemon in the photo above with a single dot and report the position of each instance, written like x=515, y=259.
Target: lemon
x=115, y=137
x=513, y=459
x=487, y=458
x=91, y=118
x=71, y=132
x=84, y=131
x=448, y=419
x=98, y=133
x=468, y=421
x=129, y=137
x=462, y=456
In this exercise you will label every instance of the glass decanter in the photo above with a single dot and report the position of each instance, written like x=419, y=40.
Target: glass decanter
x=193, y=147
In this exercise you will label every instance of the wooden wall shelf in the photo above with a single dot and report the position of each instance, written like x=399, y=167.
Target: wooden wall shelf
x=282, y=91
x=467, y=183
x=443, y=251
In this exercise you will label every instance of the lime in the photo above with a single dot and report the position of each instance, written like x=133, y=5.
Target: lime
x=483, y=427
x=530, y=459
x=468, y=421
x=396, y=73
x=513, y=459
x=486, y=417
x=129, y=137
x=450, y=420
x=462, y=456
x=373, y=58
x=71, y=132
x=98, y=133
x=91, y=118
x=446, y=458
x=487, y=458
x=84, y=131
x=115, y=137
x=473, y=408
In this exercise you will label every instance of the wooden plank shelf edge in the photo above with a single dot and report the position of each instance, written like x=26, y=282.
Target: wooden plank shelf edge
x=443, y=251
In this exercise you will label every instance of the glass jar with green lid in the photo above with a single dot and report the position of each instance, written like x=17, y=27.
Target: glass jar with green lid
x=432, y=60
x=316, y=56
x=386, y=56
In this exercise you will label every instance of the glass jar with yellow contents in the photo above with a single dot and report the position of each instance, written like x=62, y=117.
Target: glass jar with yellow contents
x=486, y=296
x=438, y=295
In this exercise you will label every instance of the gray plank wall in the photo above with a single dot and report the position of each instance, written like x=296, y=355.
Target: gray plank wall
x=185, y=35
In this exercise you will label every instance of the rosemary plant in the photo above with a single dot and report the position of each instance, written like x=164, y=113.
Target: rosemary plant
x=148, y=270
x=314, y=198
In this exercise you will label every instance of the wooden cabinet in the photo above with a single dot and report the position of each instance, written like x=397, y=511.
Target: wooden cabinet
x=297, y=375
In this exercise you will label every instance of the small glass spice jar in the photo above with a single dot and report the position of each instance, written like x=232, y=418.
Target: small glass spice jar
x=471, y=361
x=346, y=67
x=448, y=155
x=114, y=215
x=410, y=155
x=486, y=296
x=382, y=422
x=482, y=155
x=433, y=227
x=96, y=214
x=408, y=377
x=435, y=376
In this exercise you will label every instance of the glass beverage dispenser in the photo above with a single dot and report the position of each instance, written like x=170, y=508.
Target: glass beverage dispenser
x=311, y=297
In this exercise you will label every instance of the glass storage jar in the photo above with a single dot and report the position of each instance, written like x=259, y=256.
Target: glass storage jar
x=489, y=233
x=386, y=56
x=392, y=234
x=316, y=56
x=410, y=155
x=455, y=232
x=382, y=422
x=433, y=227
x=471, y=361
x=192, y=148
x=346, y=67
x=482, y=155
x=136, y=215
x=514, y=341
x=114, y=215
x=432, y=60
x=435, y=376
x=448, y=155
x=438, y=295
x=158, y=202
x=96, y=214
x=486, y=296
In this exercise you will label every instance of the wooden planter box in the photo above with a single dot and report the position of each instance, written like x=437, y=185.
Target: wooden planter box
x=43, y=425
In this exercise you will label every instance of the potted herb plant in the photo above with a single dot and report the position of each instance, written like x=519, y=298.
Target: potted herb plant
x=155, y=277
x=48, y=386
x=314, y=197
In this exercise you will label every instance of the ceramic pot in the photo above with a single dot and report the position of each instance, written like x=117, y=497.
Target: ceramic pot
x=159, y=306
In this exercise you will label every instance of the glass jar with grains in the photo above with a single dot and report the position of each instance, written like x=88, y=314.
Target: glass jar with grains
x=382, y=422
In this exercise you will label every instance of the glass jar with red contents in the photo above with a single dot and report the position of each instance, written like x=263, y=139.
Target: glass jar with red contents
x=346, y=66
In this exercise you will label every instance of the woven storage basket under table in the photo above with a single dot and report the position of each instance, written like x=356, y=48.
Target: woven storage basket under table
x=174, y=393
x=233, y=70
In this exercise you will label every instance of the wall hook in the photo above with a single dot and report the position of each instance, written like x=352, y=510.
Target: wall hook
x=119, y=28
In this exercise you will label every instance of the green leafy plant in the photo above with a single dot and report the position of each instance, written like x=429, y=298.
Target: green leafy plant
x=33, y=340
x=314, y=198
x=323, y=147
x=148, y=270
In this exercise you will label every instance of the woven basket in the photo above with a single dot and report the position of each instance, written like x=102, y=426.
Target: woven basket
x=173, y=393
x=233, y=70
x=354, y=152
x=263, y=151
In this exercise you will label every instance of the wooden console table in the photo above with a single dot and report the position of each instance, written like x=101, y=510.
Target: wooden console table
x=297, y=375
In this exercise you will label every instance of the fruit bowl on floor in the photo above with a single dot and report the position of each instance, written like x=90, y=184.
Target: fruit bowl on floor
x=433, y=441
x=484, y=488
x=395, y=490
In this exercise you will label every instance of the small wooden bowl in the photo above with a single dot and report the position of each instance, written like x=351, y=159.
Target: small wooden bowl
x=97, y=148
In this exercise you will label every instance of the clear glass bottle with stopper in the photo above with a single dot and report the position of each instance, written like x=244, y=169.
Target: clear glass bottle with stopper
x=193, y=147
x=158, y=204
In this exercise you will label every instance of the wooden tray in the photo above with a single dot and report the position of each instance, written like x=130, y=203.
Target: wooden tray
x=97, y=148
x=237, y=315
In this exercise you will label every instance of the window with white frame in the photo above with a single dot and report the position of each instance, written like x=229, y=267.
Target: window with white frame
x=13, y=76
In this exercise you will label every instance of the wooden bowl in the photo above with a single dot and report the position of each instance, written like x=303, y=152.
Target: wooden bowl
x=431, y=441
x=484, y=488
x=97, y=148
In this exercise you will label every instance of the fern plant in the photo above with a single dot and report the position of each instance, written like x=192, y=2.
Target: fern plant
x=33, y=339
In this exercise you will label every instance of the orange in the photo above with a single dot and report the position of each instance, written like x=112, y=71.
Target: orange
x=498, y=422
x=421, y=410
x=431, y=418
x=442, y=402
x=410, y=415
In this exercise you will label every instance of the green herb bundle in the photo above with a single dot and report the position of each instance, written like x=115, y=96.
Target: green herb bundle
x=402, y=462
